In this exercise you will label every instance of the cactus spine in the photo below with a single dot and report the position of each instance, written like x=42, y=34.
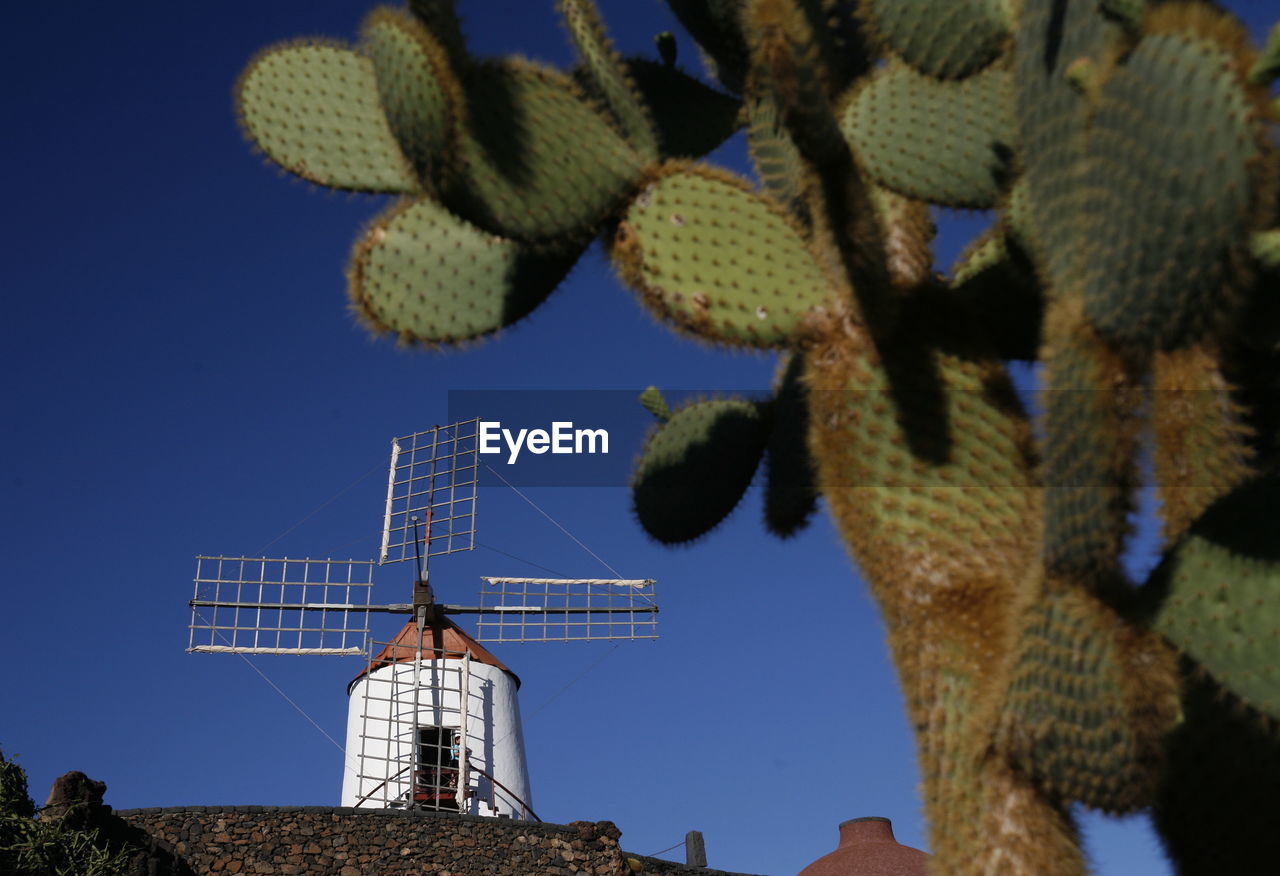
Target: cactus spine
x=1128, y=148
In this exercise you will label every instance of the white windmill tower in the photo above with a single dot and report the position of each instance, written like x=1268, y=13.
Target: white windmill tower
x=433, y=719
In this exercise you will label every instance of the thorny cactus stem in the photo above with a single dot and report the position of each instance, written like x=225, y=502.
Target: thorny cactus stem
x=1129, y=150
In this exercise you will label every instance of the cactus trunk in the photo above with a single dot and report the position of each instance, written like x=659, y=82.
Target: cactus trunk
x=1129, y=149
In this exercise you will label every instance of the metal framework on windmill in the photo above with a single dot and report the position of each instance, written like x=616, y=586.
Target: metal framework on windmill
x=421, y=730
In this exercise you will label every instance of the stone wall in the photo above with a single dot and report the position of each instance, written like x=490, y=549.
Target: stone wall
x=328, y=841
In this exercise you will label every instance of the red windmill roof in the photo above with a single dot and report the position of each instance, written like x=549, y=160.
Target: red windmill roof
x=441, y=640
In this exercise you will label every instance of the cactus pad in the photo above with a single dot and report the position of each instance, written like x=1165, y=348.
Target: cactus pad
x=695, y=467
x=1166, y=196
x=673, y=99
x=1201, y=434
x=777, y=161
x=792, y=55
x=984, y=254
x=1091, y=424
x=1051, y=113
x=1217, y=593
x=313, y=108
x=440, y=17
x=715, y=258
x=430, y=277
x=995, y=283
x=536, y=162
x=609, y=76
x=1129, y=13
x=790, y=485
x=1267, y=67
x=1076, y=718
x=1264, y=246
x=716, y=25
x=419, y=93
x=849, y=42
x=944, y=40
x=949, y=143
x=655, y=403
x=1222, y=760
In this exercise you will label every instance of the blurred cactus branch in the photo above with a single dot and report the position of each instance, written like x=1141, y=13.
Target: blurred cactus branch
x=1127, y=150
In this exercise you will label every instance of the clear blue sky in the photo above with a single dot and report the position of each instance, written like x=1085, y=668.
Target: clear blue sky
x=181, y=376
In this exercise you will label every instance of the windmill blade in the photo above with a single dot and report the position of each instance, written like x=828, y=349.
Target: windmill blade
x=433, y=478
x=257, y=605
x=566, y=610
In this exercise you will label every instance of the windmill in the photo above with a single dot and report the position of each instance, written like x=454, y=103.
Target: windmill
x=433, y=719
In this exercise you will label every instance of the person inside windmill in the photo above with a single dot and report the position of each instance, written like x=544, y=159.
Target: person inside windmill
x=456, y=752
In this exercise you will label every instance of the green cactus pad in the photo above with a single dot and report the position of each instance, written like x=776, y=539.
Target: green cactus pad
x=907, y=230
x=655, y=403
x=790, y=42
x=535, y=161
x=852, y=55
x=716, y=25
x=1265, y=70
x=984, y=254
x=947, y=40
x=1201, y=432
x=1091, y=420
x=674, y=99
x=418, y=90
x=1128, y=12
x=1222, y=769
x=1166, y=196
x=1069, y=718
x=695, y=467
x=995, y=283
x=710, y=255
x=778, y=162
x=430, y=277
x=609, y=76
x=1019, y=220
x=313, y=108
x=1264, y=246
x=1051, y=113
x=1217, y=590
x=949, y=143
x=790, y=484
x=440, y=17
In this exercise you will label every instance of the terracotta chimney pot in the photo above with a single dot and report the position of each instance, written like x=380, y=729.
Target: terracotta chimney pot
x=867, y=848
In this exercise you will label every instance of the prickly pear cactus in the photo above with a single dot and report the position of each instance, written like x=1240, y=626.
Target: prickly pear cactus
x=1129, y=152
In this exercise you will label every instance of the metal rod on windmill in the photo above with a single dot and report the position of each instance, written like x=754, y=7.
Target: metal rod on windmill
x=433, y=718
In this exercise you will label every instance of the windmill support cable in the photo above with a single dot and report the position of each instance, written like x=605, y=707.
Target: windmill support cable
x=576, y=540
x=577, y=678
x=490, y=547
x=289, y=701
x=321, y=507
